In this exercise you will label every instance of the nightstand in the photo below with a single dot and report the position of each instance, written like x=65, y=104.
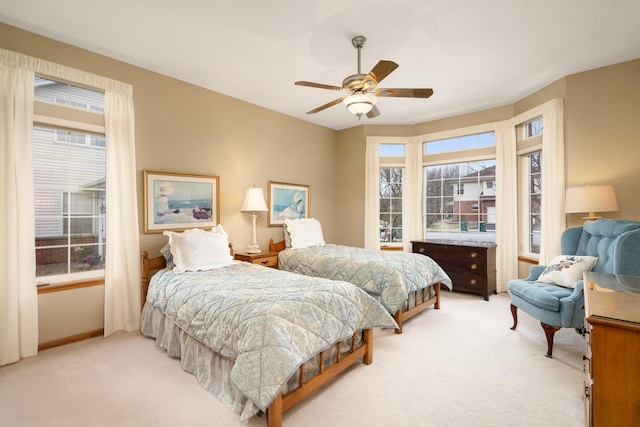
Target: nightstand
x=267, y=259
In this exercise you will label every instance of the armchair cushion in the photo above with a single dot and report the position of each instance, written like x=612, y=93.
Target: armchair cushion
x=542, y=295
x=566, y=270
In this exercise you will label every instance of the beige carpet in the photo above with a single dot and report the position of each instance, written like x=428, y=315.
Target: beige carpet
x=457, y=366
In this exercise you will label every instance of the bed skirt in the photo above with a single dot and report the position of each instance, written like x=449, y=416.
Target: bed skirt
x=213, y=370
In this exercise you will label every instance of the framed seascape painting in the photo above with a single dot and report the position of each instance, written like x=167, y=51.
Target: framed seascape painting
x=177, y=202
x=287, y=201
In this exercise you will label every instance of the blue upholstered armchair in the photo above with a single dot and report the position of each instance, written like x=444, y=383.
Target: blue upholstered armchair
x=615, y=242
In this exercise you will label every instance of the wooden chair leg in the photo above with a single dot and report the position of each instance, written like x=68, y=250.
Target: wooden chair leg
x=549, y=331
x=514, y=314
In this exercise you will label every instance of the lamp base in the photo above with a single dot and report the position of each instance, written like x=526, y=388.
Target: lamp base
x=253, y=249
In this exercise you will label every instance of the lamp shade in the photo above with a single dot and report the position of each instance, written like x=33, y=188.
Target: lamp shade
x=360, y=104
x=254, y=201
x=591, y=199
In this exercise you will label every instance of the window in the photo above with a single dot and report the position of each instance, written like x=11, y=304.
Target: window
x=69, y=182
x=533, y=180
x=465, y=142
x=533, y=128
x=391, y=171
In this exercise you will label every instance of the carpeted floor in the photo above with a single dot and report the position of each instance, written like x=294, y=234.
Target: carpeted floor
x=457, y=366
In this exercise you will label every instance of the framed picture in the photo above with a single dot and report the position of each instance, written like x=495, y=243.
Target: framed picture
x=287, y=201
x=176, y=202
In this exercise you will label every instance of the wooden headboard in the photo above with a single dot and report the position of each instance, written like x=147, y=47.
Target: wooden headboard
x=149, y=265
x=276, y=246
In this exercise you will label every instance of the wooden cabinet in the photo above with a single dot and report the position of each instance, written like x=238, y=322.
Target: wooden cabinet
x=267, y=259
x=470, y=265
x=612, y=357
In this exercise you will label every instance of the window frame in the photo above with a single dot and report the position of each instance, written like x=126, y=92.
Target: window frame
x=63, y=117
x=392, y=162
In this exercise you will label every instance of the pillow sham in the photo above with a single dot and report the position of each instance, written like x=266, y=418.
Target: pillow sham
x=305, y=232
x=198, y=250
x=566, y=270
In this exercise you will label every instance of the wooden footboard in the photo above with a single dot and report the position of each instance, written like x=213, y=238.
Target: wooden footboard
x=422, y=299
x=281, y=404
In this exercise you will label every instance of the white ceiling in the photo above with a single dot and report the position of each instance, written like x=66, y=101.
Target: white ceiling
x=474, y=54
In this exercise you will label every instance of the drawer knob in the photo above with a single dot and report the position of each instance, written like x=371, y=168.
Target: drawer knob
x=474, y=266
x=473, y=254
x=421, y=250
x=473, y=281
x=266, y=261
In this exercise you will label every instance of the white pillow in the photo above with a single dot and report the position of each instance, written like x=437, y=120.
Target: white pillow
x=305, y=232
x=566, y=270
x=197, y=250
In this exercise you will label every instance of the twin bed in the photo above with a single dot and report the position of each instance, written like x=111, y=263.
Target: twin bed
x=404, y=283
x=259, y=339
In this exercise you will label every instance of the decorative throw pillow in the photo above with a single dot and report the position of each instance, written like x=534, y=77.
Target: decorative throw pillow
x=305, y=232
x=196, y=249
x=566, y=270
x=287, y=236
x=166, y=253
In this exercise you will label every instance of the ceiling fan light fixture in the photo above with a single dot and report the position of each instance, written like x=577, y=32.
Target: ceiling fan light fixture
x=360, y=104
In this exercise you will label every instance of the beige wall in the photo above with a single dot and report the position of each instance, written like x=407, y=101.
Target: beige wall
x=184, y=128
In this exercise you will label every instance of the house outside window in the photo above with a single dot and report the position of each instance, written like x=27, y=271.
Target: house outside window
x=460, y=215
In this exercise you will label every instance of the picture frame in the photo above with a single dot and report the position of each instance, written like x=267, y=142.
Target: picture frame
x=287, y=201
x=178, y=201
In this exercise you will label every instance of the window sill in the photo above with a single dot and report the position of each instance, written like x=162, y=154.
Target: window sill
x=528, y=260
x=59, y=287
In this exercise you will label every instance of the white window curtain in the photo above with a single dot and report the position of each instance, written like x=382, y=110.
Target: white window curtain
x=553, y=183
x=412, y=194
x=18, y=294
x=371, y=194
x=506, y=205
x=122, y=266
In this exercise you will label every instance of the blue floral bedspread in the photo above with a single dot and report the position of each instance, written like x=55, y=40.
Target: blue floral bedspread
x=389, y=276
x=268, y=321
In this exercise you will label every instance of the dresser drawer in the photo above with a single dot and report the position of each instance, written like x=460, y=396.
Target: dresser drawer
x=467, y=281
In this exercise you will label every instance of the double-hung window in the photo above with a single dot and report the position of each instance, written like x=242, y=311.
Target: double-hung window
x=529, y=144
x=459, y=187
x=391, y=194
x=69, y=161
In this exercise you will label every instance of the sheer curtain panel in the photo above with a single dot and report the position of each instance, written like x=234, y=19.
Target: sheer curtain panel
x=18, y=294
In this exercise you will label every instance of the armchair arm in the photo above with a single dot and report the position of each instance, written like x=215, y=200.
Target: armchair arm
x=535, y=271
x=572, y=307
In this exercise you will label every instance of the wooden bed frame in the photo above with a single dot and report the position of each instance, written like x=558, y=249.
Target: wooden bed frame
x=422, y=298
x=306, y=387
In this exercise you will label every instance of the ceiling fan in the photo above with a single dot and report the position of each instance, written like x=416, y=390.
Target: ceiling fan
x=362, y=88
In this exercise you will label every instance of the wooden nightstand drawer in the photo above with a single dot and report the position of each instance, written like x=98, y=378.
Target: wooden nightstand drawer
x=266, y=259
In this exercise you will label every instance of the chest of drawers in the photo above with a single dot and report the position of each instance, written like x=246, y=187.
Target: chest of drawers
x=612, y=359
x=470, y=265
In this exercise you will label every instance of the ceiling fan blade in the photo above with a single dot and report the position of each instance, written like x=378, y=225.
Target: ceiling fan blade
x=382, y=69
x=374, y=112
x=404, y=93
x=318, y=85
x=327, y=105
